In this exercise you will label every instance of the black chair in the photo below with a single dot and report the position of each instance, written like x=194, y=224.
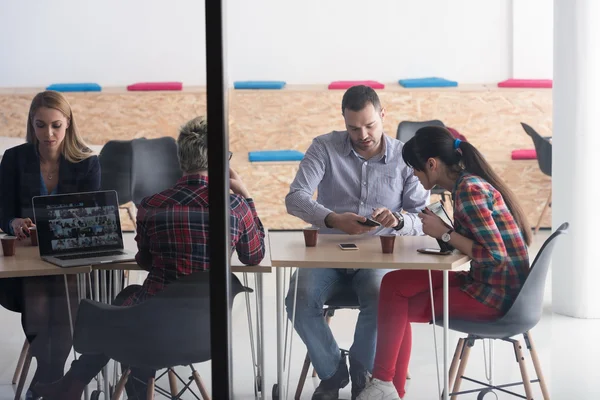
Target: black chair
x=168, y=330
x=408, y=129
x=117, y=170
x=522, y=316
x=347, y=300
x=543, y=150
x=155, y=167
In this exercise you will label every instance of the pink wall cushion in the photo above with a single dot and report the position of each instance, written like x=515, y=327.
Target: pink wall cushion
x=155, y=86
x=526, y=83
x=349, y=84
x=524, y=154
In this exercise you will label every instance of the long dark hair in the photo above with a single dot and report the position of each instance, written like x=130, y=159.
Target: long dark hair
x=438, y=142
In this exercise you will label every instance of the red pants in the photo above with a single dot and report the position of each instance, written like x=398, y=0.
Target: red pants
x=403, y=298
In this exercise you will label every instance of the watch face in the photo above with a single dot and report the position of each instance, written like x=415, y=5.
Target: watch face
x=446, y=237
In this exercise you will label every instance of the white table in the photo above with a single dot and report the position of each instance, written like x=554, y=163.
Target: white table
x=288, y=250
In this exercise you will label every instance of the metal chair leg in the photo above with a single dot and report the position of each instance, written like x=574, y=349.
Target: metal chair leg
x=536, y=365
x=524, y=375
x=464, y=359
x=19, y=367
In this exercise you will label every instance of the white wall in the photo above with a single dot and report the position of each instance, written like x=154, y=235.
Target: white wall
x=115, y=42
x=533, y=27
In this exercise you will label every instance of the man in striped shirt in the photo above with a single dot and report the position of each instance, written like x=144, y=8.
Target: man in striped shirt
x=357, y=173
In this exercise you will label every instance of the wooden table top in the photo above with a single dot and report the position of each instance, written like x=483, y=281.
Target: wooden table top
x=288, y=250
x=27, y=262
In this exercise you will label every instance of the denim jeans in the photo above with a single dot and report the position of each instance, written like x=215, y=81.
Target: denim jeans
x=315, y=287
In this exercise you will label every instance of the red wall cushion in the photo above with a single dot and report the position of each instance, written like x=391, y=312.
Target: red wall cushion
x=349, y=84
x=524, y=154
x=526, y=83
x=155, y=86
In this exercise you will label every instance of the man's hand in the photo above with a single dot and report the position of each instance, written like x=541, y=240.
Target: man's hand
x=384, y=217
x=348, y=223
x=237, y=185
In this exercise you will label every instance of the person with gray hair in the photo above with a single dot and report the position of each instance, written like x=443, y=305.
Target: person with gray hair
x=172, y=238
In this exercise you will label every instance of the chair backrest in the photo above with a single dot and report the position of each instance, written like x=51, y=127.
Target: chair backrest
x=155, y=166
x=116, y=168
x=407, y=129
x=526, y=310
x=543, y=149
x=173, y=327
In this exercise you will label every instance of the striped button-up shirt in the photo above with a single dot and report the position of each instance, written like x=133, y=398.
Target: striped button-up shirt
x=346, y=182
x=500, y=261
x=172, y=234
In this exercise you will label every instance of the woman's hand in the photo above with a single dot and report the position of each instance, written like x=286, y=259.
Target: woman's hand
x=432, y=224
x=21, y=227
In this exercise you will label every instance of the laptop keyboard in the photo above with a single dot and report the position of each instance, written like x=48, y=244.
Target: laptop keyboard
x=91, y=255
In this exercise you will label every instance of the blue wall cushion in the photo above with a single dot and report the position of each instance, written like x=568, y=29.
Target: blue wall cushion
x=258, y=84
x=427, y=82
x=75, y=87
x=275, y=155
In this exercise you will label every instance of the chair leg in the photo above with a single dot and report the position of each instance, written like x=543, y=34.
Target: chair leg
x=464, y=359
x=23, y=374
x=19, y=367
x=524, y=375
x=303, y=375
x=121, y=385
x=200, y=384
x=536, y=365
x=150, y=389
x=546, y=207
x=173, y=383
x=454, y=365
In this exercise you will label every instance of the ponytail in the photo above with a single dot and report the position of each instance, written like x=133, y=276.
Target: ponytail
x=434, y=141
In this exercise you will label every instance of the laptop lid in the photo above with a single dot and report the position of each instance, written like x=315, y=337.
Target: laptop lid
x=78, y=223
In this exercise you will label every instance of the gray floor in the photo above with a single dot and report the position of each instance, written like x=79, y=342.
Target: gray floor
x=568, y=348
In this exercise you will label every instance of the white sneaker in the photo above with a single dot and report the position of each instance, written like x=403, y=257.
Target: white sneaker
x=379, y=390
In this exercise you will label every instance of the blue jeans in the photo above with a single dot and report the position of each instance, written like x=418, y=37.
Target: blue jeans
x=315, y=287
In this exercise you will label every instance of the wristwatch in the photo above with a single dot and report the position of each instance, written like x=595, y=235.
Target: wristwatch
x=446, y=236
x=400, y=219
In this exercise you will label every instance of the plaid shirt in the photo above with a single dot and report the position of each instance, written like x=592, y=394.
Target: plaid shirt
x=172, y=234
x=500, y=261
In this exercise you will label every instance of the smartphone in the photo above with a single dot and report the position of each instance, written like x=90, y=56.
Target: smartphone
x=438, y=252
x=438, y=209
x=370, y=222
x=348, y=246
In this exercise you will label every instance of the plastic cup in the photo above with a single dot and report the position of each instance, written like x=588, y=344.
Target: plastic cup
x=310, y=236
x=387, y=243
x=9, y=245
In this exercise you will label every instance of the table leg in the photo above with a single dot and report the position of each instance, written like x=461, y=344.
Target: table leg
x=280, y=334
x=69, y=311
x=105, y=300
x=261, y=333
x=446, y=334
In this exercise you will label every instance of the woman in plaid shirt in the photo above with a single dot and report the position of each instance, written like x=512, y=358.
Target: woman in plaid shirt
x=489, y=226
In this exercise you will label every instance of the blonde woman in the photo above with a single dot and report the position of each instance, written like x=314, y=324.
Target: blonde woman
x=54, y=160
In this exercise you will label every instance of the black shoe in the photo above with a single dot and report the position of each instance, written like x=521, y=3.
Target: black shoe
x=359, y=376
x=329, y=389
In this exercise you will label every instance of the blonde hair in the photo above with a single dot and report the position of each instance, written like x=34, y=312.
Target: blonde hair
x=74, y=148
x=192, y=146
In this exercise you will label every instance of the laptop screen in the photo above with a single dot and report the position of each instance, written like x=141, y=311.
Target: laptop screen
x=78, y=222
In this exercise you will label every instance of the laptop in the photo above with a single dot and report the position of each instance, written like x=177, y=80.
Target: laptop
x=79, y=229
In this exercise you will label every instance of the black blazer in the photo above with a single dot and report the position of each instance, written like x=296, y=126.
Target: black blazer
x=20, y=181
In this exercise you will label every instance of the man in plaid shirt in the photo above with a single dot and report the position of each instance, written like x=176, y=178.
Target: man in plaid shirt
x=172, y=238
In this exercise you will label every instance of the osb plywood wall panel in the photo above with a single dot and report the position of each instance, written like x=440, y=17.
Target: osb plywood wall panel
x=289, y=119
